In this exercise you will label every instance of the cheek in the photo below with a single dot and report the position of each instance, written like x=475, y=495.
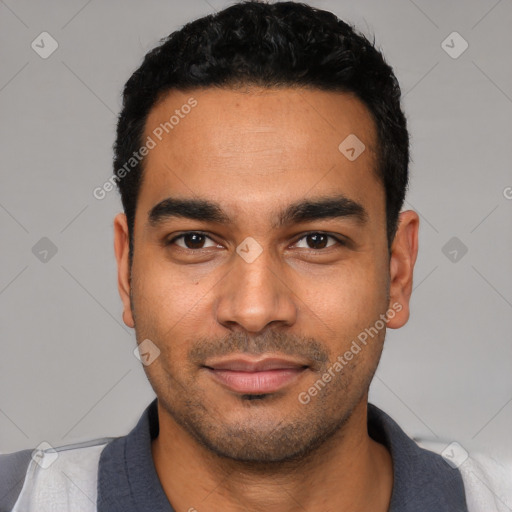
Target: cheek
x=343, y=312
x=350, y=296
x=163, y=293
x=170, y=310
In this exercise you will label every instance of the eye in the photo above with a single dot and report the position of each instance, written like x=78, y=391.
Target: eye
x=191, y=240
x=195, y=240
x=318, y=240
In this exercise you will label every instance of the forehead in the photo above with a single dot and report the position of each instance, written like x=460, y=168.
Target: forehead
x=251, y=150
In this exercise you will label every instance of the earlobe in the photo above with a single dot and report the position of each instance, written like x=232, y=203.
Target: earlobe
x=121, y=249
x=404, y=251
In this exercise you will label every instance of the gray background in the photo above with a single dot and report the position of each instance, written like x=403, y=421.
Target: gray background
x=67, y=369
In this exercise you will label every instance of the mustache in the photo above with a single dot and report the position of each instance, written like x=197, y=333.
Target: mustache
x=273, y=342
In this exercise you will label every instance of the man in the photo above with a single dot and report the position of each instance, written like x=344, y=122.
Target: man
x=262, y=160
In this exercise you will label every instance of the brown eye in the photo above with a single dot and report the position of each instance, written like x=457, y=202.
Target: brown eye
x=318, y=240
x=192, y=240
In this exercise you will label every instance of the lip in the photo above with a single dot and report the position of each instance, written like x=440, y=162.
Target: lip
x=246, y=364
x=255, y=376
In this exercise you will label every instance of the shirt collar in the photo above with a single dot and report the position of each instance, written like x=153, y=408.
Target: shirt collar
x=128, y=481
x=423, y=480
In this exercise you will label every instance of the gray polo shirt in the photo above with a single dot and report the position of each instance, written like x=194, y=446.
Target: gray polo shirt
x=126, y=478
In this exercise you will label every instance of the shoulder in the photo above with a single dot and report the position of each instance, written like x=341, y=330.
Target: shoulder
x=48, y=477
x=13, y=467
x=487, y=481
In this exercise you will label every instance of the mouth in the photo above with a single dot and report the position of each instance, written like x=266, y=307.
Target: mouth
x=255, y=376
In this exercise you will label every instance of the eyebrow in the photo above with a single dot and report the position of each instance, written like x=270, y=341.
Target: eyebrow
x=204, y=210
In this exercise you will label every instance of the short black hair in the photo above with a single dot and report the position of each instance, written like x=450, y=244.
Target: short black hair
x=280, y=44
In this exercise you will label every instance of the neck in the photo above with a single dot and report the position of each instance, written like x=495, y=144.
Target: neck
x=349, y=472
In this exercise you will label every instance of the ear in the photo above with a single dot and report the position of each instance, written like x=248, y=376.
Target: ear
x=404, y=250
x=121, y=248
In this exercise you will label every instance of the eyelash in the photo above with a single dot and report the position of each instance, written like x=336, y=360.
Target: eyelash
x=340, y=241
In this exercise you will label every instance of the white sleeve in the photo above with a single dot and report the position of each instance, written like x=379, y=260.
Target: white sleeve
x=488, y=484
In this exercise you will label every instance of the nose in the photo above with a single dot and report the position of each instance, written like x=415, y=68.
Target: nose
x=255, y=294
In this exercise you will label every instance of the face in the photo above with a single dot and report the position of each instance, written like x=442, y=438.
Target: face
x=260, y=258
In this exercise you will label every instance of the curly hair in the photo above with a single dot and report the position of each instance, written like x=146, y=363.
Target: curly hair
x=282, y=44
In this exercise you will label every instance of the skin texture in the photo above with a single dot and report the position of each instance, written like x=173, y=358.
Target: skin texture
x=255, y=151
